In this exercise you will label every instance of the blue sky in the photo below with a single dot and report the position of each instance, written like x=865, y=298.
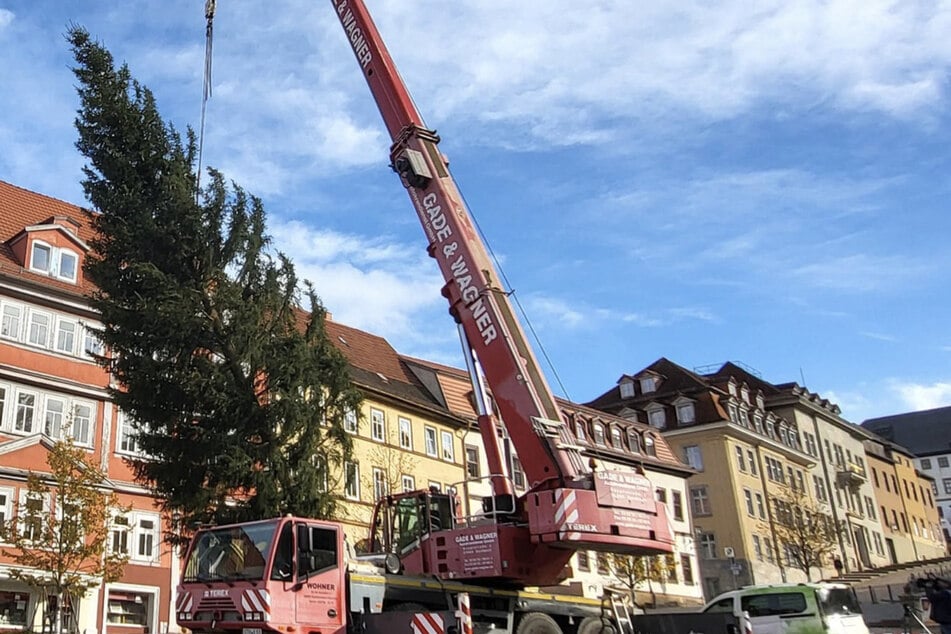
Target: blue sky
x=705, y=182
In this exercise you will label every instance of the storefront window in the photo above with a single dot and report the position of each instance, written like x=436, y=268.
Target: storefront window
x=129, y=608
x=13, y=607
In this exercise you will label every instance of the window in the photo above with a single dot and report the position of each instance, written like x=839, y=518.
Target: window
x=700, y=501
x=752, y=460
x=6, y=505
x=748, y=497
x=65, y=336
x=774, y=470
x=518, y=476
x=634, y=441
x=616, y=438
x=599, y=434
x=39, y=329
x=757, y=548
x=942, y=462
x=584, y=561
x=627, y=389
x=130, y=608
x=693, y=457
x=472, y=461
x=377, y=425
x=67, y=265
x=54, y=261
x=32, y=515
x=126, y=441
x=946, y=483
x=740, y=460
x=81, y=428
x=55, y=408
x=41, y=257
x=379, y=483
x=768, y=547
x=708, y=546
x=649, y=448
x=430, y=434
x=92, y=346
x=602, y=563
x=760, y=507
x=579, y=431
x=448, y=451
x=678, y=505
x=435, y=486
x=406, y=433
x=686, y=414
x=657, y=417
x=350, y=421
x=10, y=326
x=408, y=482
x=687, y=567
x=146, y=538
x=351, y=485
x=660, y=494
x=25, y=412
x=648, y=384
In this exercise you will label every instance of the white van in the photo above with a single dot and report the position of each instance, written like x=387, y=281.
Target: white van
x=803, y=608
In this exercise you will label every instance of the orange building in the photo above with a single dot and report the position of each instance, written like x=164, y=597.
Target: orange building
x=49, y=387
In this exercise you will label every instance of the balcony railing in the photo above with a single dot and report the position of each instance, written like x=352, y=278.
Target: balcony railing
x=850, y=475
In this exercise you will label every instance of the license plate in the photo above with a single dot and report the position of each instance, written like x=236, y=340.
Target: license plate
x=250, y=630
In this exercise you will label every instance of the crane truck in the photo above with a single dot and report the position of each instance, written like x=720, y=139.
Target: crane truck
x=299, y=575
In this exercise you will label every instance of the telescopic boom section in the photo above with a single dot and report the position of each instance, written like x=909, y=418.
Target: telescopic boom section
x=568, y=506
x=476, y=300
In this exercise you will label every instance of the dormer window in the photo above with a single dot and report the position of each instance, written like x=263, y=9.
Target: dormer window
x=760, y=401
x=616, y=438
x=54, y=261
x=657, y=417
x=599, y=434
x=627, y=388
x=686, y=413
x=579, y=431
x=732, y=387
x=745, y=394
x=648, y=384
x=634, y=441
x=649, y=448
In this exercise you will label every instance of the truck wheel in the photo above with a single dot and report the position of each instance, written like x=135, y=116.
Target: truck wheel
x=537, y=623
x=594, y=625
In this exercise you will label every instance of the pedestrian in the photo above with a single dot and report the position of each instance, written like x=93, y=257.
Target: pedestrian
x=938, y=592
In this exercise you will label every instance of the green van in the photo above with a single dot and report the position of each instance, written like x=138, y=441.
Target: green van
x=803, y=608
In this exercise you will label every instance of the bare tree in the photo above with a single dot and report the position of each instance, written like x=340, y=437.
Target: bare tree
x=805, y=530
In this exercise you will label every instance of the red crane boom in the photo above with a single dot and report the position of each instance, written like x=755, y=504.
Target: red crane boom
x=567, y=506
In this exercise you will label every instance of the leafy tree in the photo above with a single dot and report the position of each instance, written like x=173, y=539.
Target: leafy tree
x=633, y=570
x=804, y=530
x=57, y=537
x=237, y=396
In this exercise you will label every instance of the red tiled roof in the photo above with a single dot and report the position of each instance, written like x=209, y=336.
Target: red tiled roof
x=21, y=208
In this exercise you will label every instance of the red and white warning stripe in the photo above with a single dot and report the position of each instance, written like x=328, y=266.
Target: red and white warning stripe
x=567, y=506
x=256, y=600
x=184, y=602
x=464, y=613
x=427, y=623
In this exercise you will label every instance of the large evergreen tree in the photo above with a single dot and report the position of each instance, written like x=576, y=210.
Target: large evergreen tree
x=236, y=394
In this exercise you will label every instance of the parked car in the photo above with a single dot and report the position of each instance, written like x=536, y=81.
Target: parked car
x=804, y=608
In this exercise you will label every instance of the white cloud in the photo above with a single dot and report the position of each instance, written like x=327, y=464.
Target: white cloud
x=921, y=396
x=6, y=18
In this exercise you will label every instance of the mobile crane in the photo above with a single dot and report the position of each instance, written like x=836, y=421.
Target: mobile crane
x=299, y=575
x=568, y=505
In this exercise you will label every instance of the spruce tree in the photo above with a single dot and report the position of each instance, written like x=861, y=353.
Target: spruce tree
x=236, y=394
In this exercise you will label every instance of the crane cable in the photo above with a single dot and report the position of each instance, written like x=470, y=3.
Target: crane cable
x=206, y=87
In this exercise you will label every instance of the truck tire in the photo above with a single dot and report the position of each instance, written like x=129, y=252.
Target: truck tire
x=537, y=623
x=594, y=625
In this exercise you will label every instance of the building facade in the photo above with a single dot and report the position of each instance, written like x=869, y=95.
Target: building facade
x=925, y=435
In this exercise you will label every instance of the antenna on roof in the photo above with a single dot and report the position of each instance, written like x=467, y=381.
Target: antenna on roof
x=206, y=87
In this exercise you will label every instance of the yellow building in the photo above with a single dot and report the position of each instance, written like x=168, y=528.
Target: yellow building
x=907, y=511
x=405, y=437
